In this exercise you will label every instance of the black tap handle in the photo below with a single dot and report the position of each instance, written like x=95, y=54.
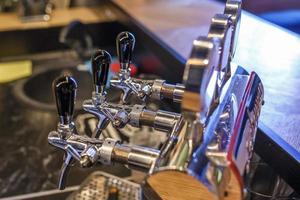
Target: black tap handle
x=100, y=67
x=64, y=89
x=125, y=45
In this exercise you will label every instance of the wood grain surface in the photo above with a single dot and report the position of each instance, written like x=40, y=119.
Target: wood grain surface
x=272, y=52
x=59, y=17
x=176, y=185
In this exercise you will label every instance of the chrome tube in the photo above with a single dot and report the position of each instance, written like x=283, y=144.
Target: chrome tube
x=163, y=90
x=135, y=156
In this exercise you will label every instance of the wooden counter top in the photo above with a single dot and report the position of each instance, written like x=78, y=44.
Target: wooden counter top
x=59, y=17
x=274, y=53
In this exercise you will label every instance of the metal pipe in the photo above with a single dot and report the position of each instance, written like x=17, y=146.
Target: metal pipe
x=134, y=155
x=163, y=90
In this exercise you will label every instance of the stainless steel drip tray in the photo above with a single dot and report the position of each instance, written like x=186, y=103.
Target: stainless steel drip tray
x=95, y=186
x=98, y=185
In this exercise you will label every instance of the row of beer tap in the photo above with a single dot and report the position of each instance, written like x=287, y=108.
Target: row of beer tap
x=207, y=79
x=90, y=150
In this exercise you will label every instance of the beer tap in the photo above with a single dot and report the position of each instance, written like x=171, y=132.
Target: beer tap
x=118, y=114
x=125, y=45
x=90, y=150
x=64, y=89
x=83, y=149
x=100, y=62
x=143, y=89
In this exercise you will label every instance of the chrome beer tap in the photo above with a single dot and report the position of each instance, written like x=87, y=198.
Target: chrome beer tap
x=64, y=89
x=143, y=89
x=100, y=62
x=125, y=45
x=88, y=151
x=83, y=149
x=105, y=111
x=118, y=114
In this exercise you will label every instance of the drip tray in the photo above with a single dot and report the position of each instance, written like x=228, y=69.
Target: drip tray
x=98, y=185
x=95, y=187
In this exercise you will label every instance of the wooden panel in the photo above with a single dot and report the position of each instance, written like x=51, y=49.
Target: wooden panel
x=176, y=185
x=173, y=185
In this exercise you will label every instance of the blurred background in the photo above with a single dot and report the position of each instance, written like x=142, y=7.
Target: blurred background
x=285, y=13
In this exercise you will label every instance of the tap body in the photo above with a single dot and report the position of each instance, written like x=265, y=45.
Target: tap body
x=147, y=89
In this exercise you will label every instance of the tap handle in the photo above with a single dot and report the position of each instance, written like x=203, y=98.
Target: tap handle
x=64, y=89
x=125, y=45
x=101, y=60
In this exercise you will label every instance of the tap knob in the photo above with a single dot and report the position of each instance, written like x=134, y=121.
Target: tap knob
x=100, y=67
x=125, y=45
x=64, y=89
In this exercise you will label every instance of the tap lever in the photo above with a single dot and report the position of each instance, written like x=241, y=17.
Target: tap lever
x=71, y=153
x=125, y=44
x=89, y=151
x=100, y=60
x=64, y=171
x=135, y=115
x=64, y=89
x=143, y=89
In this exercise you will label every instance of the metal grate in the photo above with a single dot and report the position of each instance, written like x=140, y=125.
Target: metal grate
x=97, y=185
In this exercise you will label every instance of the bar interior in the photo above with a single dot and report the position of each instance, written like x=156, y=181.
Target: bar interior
x=149, y=99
